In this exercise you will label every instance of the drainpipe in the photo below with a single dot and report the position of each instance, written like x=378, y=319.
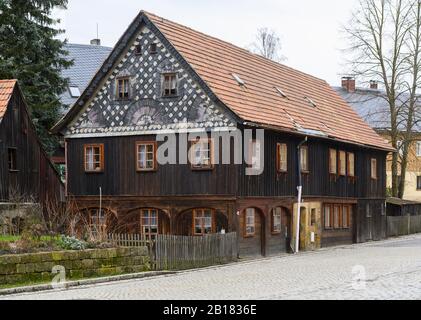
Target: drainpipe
x=300, y=194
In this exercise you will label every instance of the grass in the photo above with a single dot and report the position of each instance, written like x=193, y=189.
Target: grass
x=8, y=238
x=5, y=238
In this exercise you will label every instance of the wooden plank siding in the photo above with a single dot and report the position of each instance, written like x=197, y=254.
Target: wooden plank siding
x=167, y=187
x=120, y=176
x=35, y=178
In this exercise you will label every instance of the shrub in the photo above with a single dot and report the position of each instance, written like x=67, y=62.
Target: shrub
x=71, y=243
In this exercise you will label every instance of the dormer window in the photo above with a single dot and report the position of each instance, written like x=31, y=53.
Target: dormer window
x=123, y=89
x=153, y=48
x=138, y=50
x=169, y=85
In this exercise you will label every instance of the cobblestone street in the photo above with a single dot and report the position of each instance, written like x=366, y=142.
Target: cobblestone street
x=392, y=270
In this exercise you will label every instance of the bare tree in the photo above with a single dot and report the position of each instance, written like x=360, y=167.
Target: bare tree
x=412, y=112
x=384, y=46
x=268, y=45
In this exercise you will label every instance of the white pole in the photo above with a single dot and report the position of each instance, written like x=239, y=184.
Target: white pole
x=297, y=235
x=100, y=201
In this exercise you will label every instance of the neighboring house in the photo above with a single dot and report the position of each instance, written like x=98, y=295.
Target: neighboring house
x=165, y=78
x=87, y=59
x=371, y=105
x=26, y=172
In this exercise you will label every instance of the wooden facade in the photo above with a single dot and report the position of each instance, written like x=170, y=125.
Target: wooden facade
x=177, y=189
x=26, y=172
x=113, y=118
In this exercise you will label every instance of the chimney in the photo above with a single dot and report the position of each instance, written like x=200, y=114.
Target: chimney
x=374, y=85
x=96, y=42
x=348, y=83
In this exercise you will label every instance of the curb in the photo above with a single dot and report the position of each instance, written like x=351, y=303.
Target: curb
x=72, y=284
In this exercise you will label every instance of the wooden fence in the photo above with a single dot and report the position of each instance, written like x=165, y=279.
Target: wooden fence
x=129, y=240
x=403, y=225
x=180, y=252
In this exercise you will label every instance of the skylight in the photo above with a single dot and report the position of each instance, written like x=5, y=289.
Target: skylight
x=313, y=104
x=74, y=92
x=281, y=92
x=238, y=79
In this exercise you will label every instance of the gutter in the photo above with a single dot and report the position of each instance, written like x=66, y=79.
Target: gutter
x=304, y=134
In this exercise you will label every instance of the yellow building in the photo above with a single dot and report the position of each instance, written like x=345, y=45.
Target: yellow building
x=371, y=105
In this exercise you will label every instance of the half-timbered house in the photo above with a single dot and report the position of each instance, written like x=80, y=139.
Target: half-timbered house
x=163, y=78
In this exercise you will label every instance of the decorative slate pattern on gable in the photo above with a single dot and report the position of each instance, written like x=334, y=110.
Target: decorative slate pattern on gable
x=147, y=110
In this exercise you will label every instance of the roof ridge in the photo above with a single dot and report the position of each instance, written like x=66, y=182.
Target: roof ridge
x=255, y=55
x=87, y=45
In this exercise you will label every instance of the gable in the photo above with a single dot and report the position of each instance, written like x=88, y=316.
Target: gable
x=147, y=111
x=6, y=91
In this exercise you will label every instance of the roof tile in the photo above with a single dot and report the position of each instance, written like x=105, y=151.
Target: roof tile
x=215, y=61
x=6, y=90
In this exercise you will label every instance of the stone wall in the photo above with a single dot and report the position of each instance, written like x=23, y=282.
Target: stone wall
x=37, y=267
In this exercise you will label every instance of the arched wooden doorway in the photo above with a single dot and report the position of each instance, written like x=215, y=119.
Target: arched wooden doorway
x=93, y=223
x=148, y=222
x=201, y=221
x=252, y=233
x=279, y=240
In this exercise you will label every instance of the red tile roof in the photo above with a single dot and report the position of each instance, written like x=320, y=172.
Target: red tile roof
x=6, y=90
x=258, y=101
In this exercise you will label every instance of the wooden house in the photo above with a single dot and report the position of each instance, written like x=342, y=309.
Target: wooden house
x=26, y=172
x=165, y=78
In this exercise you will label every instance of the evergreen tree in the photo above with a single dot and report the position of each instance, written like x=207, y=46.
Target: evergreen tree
x=31, y=53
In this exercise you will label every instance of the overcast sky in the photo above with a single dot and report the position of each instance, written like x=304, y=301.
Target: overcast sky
x=309, y=29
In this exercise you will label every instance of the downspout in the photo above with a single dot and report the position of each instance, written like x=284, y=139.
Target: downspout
x=300, y=194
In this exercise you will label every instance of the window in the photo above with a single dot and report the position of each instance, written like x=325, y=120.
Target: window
x=201, y=154
x=304, y=159
x=418, y=148
x=351, y=164
x=342, y=163
x=313, y=217
x=202, y=221
x=149, y=223
x=346, y=216
x=337, y=216
x=153, y=48
x=276, y=220
x=333, y=162
x=98, y=222
x=419, y=183
x=282, y=157
x=169, y=85
x=328, y=220
x=94, y=158
x=74, y=91
x=138, y=50
x=374, y=169
x=123, y=88
x=12, y=160
x=145, y=156
x=255, y=155
x=250, y=222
